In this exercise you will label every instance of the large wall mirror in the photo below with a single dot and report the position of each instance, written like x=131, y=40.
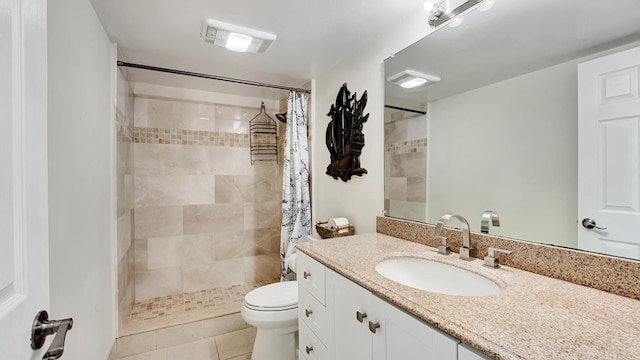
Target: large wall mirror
x=535, y=116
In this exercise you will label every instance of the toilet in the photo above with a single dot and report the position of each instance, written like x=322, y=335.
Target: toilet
x=273, y=310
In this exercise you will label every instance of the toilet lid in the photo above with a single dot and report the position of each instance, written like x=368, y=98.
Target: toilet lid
x=277, y=296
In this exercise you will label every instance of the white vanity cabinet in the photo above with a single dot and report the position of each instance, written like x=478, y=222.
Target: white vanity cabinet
x=367, y=327
x=466, y=352
x=315, y=323
x=339, y=320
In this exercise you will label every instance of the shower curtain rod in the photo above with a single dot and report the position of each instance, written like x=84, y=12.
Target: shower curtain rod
x=211, y=77
x=405, y=109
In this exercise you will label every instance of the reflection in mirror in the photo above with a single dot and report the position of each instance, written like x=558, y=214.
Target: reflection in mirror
x=535, y=116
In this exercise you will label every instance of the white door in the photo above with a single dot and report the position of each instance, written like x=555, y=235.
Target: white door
x=24, y=266
x=609, y=155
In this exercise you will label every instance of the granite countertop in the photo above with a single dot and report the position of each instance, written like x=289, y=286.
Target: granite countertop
x=534, y=317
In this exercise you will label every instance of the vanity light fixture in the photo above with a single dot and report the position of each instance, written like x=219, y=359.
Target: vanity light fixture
x=236, y=38
x=446, y=11
x=410, y=79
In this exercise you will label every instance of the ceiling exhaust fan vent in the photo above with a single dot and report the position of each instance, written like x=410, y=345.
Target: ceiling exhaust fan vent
x=236, y=38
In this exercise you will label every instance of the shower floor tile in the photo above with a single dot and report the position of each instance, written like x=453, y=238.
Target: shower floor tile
x=172, y=305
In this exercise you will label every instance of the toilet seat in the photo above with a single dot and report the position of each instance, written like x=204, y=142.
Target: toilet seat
x=273, y=297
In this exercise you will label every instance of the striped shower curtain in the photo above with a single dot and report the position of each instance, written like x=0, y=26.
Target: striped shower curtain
x=296, y=205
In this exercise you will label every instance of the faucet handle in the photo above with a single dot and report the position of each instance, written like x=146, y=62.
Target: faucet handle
x=491, y=260
x=443, y=249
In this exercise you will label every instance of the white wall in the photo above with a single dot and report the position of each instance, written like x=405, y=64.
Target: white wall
x=362, y=198
x=510, y=147
x=81, y=214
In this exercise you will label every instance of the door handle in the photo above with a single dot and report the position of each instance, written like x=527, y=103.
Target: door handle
x=43, y=327
x=591, y=224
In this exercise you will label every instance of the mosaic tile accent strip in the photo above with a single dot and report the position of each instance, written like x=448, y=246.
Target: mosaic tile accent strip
x=147, y=135
x=159, y=307
x=124, y=127
x=418, y=145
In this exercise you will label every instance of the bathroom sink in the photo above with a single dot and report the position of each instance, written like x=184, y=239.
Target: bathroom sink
x=436, y=277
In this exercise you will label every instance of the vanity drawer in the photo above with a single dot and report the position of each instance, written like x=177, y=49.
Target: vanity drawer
x=314, y=315
x=311, y=348
x=311, y=276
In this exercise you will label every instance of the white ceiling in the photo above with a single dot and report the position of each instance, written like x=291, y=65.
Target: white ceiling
x=515, y=37
x=313, y=36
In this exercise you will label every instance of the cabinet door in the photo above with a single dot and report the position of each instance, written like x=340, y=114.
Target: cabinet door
x=402, y=336
x=466, y=352
x=352, y=339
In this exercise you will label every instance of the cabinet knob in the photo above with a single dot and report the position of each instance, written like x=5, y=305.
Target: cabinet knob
x=307, y=312
x=360, y=316
x=373, y=326
x=308, y=349
x=306, y=275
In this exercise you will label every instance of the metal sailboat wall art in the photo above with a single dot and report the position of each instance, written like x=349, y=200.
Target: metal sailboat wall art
x=344, y=137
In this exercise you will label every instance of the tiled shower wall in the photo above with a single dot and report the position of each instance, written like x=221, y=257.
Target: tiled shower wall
x=405, y=145
x=125, y=196
x=205, y=217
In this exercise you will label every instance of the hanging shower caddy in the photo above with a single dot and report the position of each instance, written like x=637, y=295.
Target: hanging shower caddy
x=263, y=138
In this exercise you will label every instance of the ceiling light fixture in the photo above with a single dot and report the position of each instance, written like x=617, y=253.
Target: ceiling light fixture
x=443, y=11
x=236, y=38
x=410, y=79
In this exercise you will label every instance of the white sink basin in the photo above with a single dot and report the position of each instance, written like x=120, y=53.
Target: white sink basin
x=436, y=277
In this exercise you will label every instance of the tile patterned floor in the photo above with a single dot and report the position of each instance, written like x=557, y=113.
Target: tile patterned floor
x=159, y=307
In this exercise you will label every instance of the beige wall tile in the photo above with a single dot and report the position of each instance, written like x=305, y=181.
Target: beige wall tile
x=236, y=343
x=158, y=221
x=152, y=355
x=234, y=189
x=417, y=189
x=200, y=219
x=163, y=113
x=198, y=249
x=183, y=115
x=262, y=215
x=405, y=164
x=232, y=126
x=136, y=344
x=126, y=302
x=159, y=190
x=123, y=232
x=261, y=268
x=242, y=357
x=165, y=252
x=204, y=349
x=124, y=158
x=395, y=188
x=228, y=245
x=140, y=111
x=224, y=324
x=226, y=112
x=180, y=334
x=159, y=282
x=222, y=273
x=140, y=246
x=162, y=159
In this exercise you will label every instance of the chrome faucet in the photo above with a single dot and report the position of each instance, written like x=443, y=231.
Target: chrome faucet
x=466, y=234
x=486, y=216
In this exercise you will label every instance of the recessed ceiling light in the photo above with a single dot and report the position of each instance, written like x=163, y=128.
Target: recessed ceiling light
x=236, y=38
x=238, y=42
x=488, y=4
x=410, y=79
